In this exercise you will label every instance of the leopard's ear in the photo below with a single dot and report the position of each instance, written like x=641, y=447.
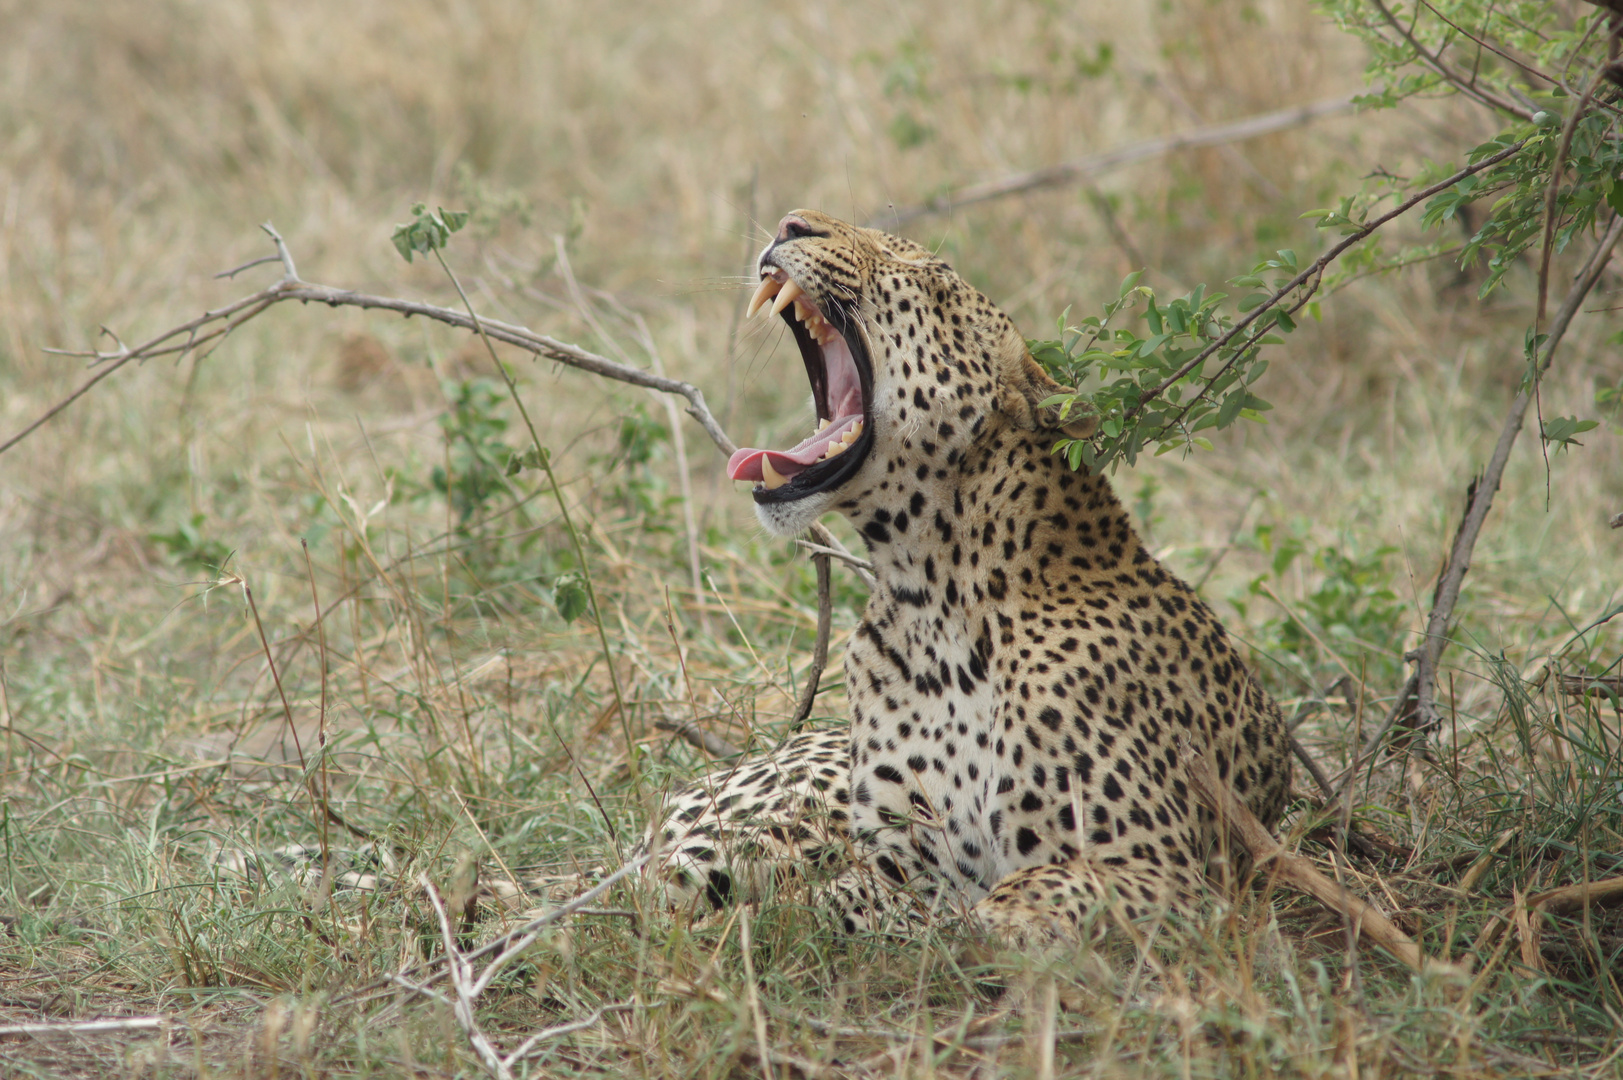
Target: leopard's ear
x=1026, y=386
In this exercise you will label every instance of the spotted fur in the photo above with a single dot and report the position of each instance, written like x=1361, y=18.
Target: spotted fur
x=1025, y=668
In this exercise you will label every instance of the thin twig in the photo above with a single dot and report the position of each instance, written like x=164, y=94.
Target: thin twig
x=514, y=941
x=558, y=1030
x=1552, y=195
x=825, y=619
x=861, y=565
x=321, y=722
x=1312, y=767
x=1459, y=556
x=1315, y=271
x=306, y=292
x=1465, y=86
x=461, y=975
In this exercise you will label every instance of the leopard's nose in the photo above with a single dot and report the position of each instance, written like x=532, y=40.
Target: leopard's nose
x=793, y=227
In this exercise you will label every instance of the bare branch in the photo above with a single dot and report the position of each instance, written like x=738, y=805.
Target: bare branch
x=558, y=1030
x=249, y=265
x=290, y=273
x=1070, y=172
x=461, y=974
x=859, y=564
x=186, y=338
x=539, y=344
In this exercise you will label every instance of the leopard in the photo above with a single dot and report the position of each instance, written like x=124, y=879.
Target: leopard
x=1027, y=685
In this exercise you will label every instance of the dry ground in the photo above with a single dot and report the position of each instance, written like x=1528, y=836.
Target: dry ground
x=648, y=150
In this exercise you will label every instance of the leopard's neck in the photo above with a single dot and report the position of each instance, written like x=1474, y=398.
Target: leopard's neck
x=1009, y=523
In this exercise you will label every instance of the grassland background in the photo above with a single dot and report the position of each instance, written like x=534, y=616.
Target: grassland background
x=142, y=142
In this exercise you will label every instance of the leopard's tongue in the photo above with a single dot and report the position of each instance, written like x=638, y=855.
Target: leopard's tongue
x=745, y=464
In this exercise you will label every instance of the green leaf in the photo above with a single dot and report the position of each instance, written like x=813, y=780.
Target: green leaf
x=426, y=232
x=569, y=597
x=402, y=241
x=1561, y=429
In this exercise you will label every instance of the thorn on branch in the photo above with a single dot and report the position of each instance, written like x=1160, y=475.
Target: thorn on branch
x=290, y=275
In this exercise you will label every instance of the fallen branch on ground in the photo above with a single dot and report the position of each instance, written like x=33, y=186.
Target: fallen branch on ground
x=507, y=946
x=1293, y=870
x=1525, y=913
x=468, y=986
x=88, y=1027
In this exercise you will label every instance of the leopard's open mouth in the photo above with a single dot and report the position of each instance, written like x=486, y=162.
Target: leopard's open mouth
x=841, y=376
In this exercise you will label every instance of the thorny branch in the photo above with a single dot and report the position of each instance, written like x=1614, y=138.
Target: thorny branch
x=212, y=327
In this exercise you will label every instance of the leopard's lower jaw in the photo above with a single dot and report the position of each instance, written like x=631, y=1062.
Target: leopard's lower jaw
x=794, y=518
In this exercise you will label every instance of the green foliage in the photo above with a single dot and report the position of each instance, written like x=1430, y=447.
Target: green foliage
x=569, y=596
x=188, y=546
x=1193, y=372
x=1143, y=388
x=1560, y=431
x=1348, y=607
x=478, y=456
x=427, y=231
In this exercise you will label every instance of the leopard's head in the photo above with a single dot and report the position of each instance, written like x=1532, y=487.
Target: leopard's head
x=909, y=365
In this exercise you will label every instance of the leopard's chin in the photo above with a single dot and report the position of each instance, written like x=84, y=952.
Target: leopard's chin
x=792, y=517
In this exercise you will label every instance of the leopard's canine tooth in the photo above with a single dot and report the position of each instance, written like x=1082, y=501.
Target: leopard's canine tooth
x=763, y=292
x=771, y=477
x=786, y=296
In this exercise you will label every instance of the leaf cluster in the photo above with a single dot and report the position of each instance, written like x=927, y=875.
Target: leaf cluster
x=1138, y=385
x=427, y=231
x=1188, y=373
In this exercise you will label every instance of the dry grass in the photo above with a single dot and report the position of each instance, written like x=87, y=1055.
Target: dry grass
x=143, y=142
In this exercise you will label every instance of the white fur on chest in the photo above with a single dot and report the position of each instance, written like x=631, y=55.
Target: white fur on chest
x=924, y=734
